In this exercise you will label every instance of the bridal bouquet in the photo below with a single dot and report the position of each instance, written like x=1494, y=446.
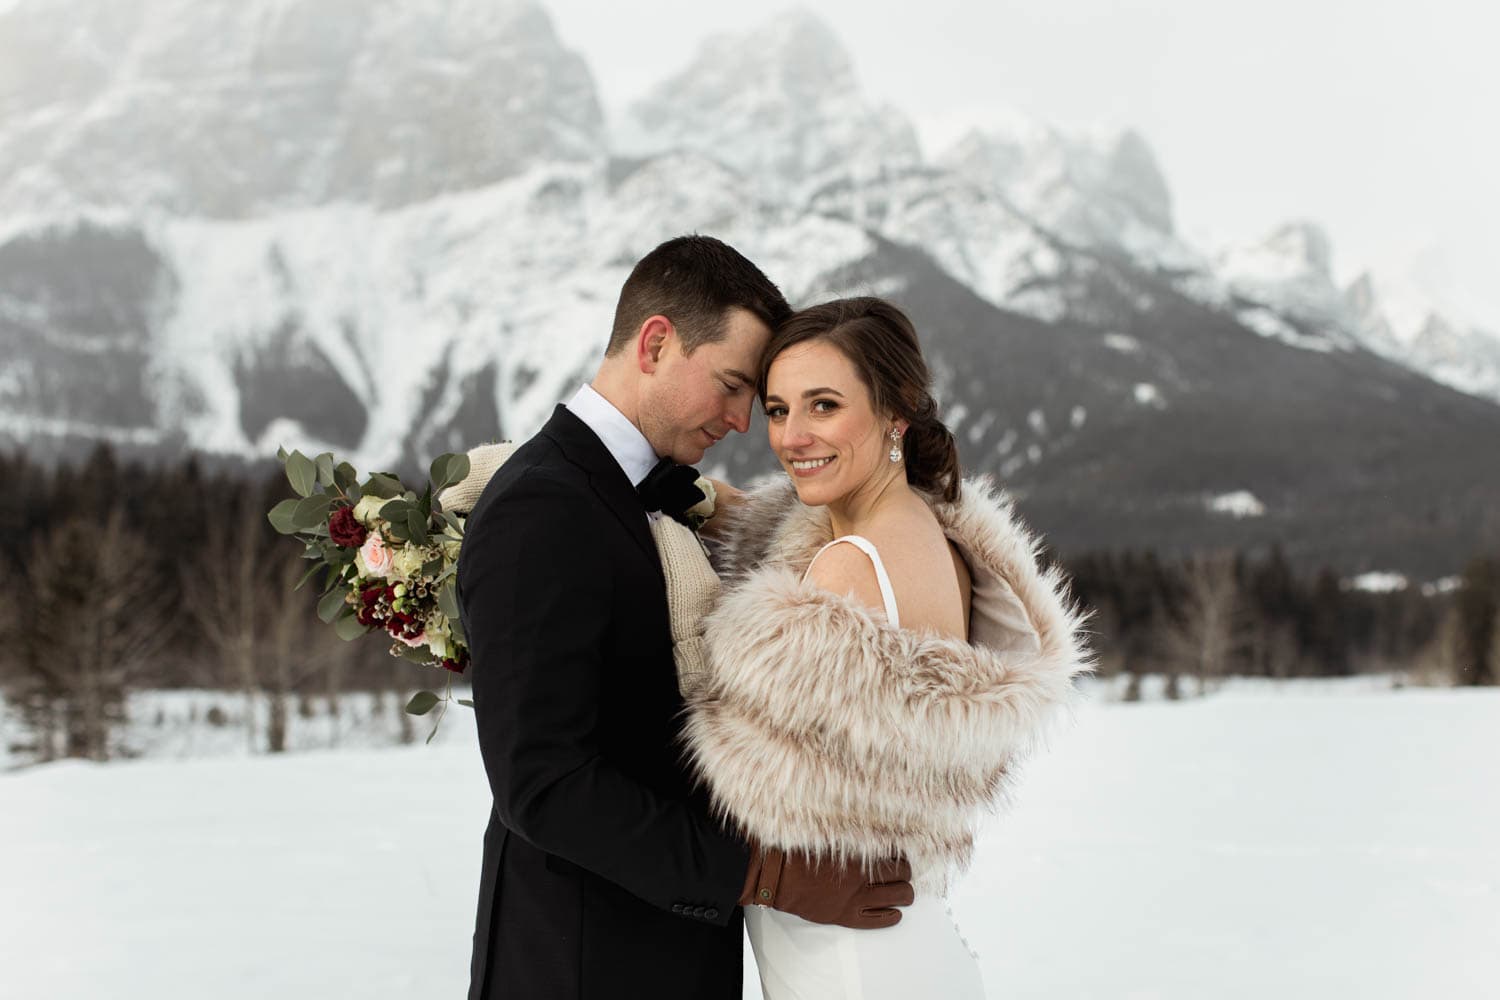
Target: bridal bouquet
x=387, y=555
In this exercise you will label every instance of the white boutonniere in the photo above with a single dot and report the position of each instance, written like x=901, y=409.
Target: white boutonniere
x=704, y=509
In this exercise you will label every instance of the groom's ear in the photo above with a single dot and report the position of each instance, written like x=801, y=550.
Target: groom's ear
x=651, y=341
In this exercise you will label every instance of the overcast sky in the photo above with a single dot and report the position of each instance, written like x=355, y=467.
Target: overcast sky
x=1375, y=119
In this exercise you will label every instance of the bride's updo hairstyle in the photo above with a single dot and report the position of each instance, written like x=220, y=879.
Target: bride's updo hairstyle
x=882, y=345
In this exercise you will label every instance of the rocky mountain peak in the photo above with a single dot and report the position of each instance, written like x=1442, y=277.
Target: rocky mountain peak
x=1134, y=176
x=237, y=108
x=780, y=103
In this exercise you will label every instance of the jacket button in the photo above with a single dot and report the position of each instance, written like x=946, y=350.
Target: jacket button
x=676, y=907
x=698, y=911
x=711, y=913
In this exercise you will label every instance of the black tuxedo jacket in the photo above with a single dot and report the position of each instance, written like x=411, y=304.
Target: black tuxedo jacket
x=604, y=875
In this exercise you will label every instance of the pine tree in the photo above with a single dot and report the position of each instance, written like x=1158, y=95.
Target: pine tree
x=1478, y=600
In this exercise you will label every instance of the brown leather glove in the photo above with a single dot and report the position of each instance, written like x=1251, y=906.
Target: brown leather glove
x=828, y=893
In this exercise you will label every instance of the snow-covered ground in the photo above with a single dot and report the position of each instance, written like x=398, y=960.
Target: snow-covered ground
x=1293, y=840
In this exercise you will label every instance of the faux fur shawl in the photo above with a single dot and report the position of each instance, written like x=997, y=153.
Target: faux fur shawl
x=820, y=728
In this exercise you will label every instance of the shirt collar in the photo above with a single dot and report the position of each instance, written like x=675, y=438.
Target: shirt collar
x=621, y=438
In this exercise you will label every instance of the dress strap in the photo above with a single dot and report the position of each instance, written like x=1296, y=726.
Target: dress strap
x=887, y=593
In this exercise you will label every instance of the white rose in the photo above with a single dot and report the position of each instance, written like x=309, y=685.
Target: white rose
x=408, y=561
x=368, y=507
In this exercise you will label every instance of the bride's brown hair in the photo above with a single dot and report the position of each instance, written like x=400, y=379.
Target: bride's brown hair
x=881, y=343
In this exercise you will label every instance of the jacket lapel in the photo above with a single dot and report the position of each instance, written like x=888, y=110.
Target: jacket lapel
x=608, y=481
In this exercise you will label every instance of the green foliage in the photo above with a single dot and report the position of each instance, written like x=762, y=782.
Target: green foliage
x=422, y=702
x=302, y=473
x=448, y=470
x=333, y=604
x=281, y=517
x=348, y=627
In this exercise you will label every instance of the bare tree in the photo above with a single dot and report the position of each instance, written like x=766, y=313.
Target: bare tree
x=242, y=593
x=1207, y=623
x=224, y=594
x=97, y=621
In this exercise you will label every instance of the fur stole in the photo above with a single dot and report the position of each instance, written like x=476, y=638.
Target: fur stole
x=822, y=729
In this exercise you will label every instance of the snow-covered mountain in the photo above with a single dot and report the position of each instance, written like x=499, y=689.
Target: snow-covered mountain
x=781, y=105
x=232, y=109
x=397, y=228
x=1398, y=320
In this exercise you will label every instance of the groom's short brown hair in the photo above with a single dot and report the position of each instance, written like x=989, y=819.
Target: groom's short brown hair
x=693, y=281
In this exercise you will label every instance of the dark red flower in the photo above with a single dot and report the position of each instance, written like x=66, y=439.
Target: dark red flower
x=402, y=625
x=345, y=530
x=453, y=665
x=369, y=604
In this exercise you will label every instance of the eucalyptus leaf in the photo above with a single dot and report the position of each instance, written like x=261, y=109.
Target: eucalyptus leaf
x=456, y=629
x=332, y=603
x=395, y=510
x=422, y=702
x=344, y=476
x=324, y=462
x=383, y=484
x=301, y=473
x=281, y=455
x=447, y=601
x=458, y=469
x=416, y=525
x=437, y=473
x=280, y=517
x=448, y=470
x=308, y=575
x=312, y=513
x=433, y=568
x=465, y=701
x=349, y=628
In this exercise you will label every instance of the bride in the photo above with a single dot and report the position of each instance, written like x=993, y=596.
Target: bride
x=885, y=650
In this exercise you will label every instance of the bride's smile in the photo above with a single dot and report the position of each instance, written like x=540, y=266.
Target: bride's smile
x=823, y=426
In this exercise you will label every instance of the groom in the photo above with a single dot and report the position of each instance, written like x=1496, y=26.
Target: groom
x=604, y=874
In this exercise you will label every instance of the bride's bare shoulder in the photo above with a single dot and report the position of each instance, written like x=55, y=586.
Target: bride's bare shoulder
x=845, y=569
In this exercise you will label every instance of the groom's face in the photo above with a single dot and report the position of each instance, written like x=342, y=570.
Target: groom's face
x=697, y=399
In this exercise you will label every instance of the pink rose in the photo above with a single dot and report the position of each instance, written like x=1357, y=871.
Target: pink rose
x=417, y=640
x=376, y=556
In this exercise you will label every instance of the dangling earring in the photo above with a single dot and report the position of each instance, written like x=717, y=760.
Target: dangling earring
x=895, y=446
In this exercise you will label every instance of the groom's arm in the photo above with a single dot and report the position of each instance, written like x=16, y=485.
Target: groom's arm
x=536, y=591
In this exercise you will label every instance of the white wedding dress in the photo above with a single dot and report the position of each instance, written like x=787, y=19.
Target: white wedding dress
x=922, y=956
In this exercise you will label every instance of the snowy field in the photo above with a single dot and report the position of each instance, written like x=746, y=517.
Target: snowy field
x=1302, y=840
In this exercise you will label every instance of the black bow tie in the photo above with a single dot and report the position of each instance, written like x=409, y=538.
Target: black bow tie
x=671, y=489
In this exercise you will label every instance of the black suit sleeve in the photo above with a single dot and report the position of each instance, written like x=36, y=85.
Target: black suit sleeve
x=536, y=595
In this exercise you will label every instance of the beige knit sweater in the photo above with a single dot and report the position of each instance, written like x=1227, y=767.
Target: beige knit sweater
x=692, y=584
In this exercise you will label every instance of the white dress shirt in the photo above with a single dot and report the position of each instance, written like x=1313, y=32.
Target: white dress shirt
x=621, y=438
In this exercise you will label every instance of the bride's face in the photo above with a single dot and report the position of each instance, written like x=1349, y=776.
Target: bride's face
x=823, y=426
